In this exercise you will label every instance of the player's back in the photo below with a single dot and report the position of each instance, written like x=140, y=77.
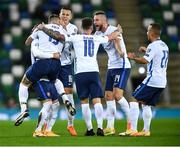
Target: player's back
x=157, y=53
x=47, y=43
x=86, y=48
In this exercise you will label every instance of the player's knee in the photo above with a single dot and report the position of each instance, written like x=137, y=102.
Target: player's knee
x=25, y=81
x=96, y=100
x=109, y=96
x=68, y=90
x=84, y=101
x=117, y=96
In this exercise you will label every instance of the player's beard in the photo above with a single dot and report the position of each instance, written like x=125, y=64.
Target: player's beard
x=99, y=28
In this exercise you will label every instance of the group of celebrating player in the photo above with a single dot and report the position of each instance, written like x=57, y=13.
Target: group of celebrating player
x=55, y=41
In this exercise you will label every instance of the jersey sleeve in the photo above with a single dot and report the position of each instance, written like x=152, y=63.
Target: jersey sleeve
x=150, y=53
x=34, y=35
x=102, y=39
x=70, y=38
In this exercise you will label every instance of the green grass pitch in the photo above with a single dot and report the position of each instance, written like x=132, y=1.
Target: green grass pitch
x=165, y=132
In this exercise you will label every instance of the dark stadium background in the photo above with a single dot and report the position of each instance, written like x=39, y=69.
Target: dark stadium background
x=17, y=17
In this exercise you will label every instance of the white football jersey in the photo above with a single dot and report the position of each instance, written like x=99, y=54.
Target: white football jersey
x=157, y=55
x=47, y=43
x=114, y=60
x=34, y=46
x=39, y=54
x=86, y=48
x=67, y=53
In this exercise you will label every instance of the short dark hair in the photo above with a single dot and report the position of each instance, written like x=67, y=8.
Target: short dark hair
x=99, y=13
x=66, y=8
x=156, y=28
x=87, y=23
x=52, y=16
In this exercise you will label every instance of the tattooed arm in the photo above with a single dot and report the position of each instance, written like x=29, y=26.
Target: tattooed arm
x=51, y=33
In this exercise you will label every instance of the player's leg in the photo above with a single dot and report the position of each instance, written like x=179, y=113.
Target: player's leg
x=147, y=117
x=98, y=108
x=143, y=94
x=67, y=79
x=52, y=119
x=82, y=86
x=42, y=118
x=23, y=92
x=60, y=89
x=46, y=91
x=96, y=93
x=111, y=105
x=87, y=115
x=151, y=100
x=70, y=126
x=23, y=97
x=32, y=75
x=120, y=82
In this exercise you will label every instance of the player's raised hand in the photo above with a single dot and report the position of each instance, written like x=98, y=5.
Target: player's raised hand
x=41, y=26
x=131, y=55
x=142, y=49
x=119, y=28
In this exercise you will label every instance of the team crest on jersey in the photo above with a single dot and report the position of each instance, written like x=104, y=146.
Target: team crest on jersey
x=48, y=94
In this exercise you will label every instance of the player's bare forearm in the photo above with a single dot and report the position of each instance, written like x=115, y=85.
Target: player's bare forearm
x=142, y=49
x=118, y=47
x=140, y=60
x=53, y=34
x=28, y=41
x=137, y=59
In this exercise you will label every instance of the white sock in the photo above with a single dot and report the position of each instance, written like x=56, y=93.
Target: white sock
x=147, y=116
x=43, y=115
x=125, y=107
x=99, y=114
x=111, y=112
x=134, y=114
x=53, y=116
x=23, y=96
x=60, y=89
x=87, y=115
x=70, y=117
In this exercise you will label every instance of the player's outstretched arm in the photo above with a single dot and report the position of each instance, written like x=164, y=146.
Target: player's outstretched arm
x=142, y=49
x=51, y=33
x=137, y=59
x=119, y=28
x=115, y=34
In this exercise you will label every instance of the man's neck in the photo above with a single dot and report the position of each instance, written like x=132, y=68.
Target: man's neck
x=53, y=22
x=155, y=39
x=65, y=25
x=87, y=32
